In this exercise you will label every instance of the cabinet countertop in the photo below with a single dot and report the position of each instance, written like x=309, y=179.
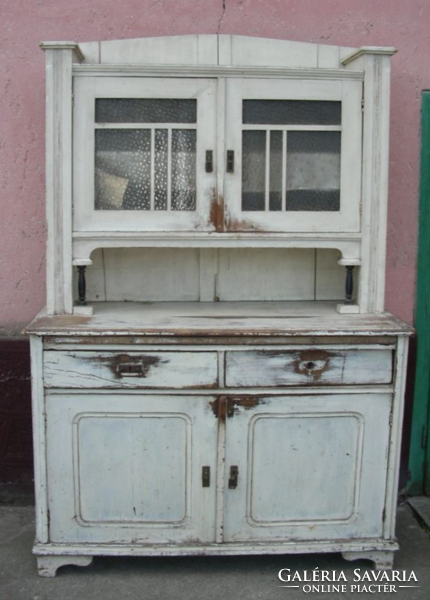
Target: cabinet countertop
x=215, y=319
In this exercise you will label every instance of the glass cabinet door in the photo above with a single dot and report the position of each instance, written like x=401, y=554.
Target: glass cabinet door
x=140, y=154
x=296, y=148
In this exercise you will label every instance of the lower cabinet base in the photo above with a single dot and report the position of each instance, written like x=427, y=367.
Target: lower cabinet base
x=51, y=557
x=48, y=565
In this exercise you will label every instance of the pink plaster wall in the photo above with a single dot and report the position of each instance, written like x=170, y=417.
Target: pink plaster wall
x=23, y=24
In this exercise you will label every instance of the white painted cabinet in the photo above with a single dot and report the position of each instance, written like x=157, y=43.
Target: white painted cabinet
x=214, y=372
x=130, y=469
x=309, y=467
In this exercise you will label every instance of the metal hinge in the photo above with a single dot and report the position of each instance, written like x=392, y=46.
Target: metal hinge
x=362, y=105
x=390, y=420
x=384, y=514
x=424, y=437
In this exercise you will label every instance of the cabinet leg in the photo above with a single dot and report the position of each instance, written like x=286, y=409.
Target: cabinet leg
x=48, y=565
x=382, y=559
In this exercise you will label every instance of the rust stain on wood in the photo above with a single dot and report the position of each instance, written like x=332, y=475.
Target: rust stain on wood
x=238, y=225
x=144, y=362
x=246, y=402
x=216, y=214
x=313, y=363
x=226, y=406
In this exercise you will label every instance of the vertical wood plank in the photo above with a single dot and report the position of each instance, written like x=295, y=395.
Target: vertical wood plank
x=375, y=181
x=208, y=269
x=169, y=169
x=395, y=437
x=328, y=57
x=59, y=180
x=329, y=276
x=39, y=439
x=267, y=173
x=207, y=49
x=284, y=170
x=152, y=191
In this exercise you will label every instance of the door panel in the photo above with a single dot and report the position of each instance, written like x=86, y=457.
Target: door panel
x=297, y=153
x=130, y=469
x=308, y=467
x=139, y=154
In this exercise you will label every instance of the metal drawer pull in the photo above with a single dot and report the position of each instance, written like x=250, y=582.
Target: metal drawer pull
x=230, y=161
x=206, y=476
x=209, y=164
x=131, y=370
x=234, y=476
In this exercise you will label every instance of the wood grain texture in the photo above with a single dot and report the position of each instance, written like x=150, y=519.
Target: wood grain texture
x=147, y=370
x=236, y=319
x=164, y=274
x=292, y=453
x=375, y=182
x=146, y=455
x=59, y=180
x=273, y=368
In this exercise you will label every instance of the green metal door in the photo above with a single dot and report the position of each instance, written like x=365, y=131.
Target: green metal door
x=419, y=458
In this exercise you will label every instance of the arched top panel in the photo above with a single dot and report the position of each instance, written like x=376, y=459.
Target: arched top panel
x=220, y=50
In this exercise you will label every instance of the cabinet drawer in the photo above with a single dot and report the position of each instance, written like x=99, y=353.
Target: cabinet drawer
x=277, y=368
x=130, y=369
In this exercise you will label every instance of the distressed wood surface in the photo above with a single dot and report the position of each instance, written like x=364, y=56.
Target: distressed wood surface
x=272, y=368
x=228, y=50
x=110, y=370
x=86, y=218
x=375, y=182
x=309, y=467
x=231, y=549
x=59, y=180
x=130, y=468
x=39, y=440
x=219, y=319
x=209, y=274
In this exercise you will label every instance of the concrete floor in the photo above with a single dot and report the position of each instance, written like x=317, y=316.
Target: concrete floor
x=203, y=578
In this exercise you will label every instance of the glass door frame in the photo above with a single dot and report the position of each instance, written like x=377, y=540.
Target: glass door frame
x=86, y=90
x=349, y=93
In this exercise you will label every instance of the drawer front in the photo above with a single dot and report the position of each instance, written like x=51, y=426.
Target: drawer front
x=130, y=369
x=274, y=368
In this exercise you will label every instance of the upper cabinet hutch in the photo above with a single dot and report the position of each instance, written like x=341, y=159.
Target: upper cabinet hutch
x=214, y=371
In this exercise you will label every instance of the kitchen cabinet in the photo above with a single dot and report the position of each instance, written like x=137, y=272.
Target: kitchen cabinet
x=214, y=372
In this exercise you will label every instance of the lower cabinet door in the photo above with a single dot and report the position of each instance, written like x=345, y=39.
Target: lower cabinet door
x=306, y=467
x=131, y=469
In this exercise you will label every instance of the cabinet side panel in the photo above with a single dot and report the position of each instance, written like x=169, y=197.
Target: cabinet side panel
x=59, y=180
x=375, y=181
x=39, y=439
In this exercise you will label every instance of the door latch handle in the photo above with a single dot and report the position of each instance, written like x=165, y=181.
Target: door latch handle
x=206, y=476
x=209, y=163
x=234, y=477
x=230, y=161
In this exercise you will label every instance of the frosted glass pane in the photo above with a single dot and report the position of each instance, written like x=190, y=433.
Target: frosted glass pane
x=253, y=169
x=183, y=169
x=146, y=110
x=122, y=169
x=160, y=169
x=275, y=190
x=292, y=112
x=313, y=171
